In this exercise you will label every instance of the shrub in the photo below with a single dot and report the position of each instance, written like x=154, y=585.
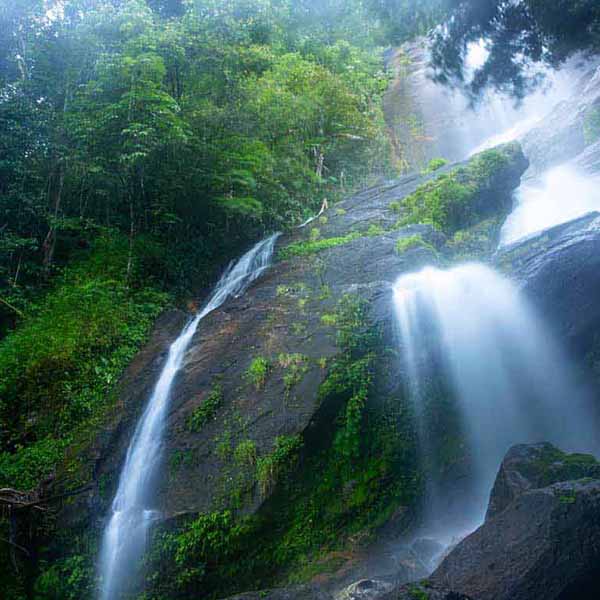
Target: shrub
x=258, y=371
x=271, y=467
x=207, y=410
x=435, y=164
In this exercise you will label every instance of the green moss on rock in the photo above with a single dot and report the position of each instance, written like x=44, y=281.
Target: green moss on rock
x=453, y=201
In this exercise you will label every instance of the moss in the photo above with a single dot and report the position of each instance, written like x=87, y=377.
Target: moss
x=418, y=593
x=476, y=242
x=414, y=241
x=447, y=202
x=258, y=371
x=434, y=165
x=181, y=458
x=223, y=445
x=295, y=367
x=245, y=454
x=314, y=246
x=374, y=230
x=567, y=498
x=395, y=206
x=207, y=410
x=553, y=465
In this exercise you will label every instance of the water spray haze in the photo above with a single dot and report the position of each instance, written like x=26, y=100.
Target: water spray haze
x=472, y=347
x=559, y=195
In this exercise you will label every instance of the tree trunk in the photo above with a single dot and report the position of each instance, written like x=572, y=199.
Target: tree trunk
x=49, y=244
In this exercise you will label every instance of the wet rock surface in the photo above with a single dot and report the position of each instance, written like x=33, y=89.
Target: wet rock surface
x=559, y=270
x=537, y=542
x=279, y=317
x=532, y=466
x=561, y=135
x=365, y=589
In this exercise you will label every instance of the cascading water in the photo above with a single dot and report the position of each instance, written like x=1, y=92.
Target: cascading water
x=132, y=513
x=559, y=195
x=506, y=379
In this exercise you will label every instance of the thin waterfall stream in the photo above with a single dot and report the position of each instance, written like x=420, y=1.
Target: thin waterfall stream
x=133, y=509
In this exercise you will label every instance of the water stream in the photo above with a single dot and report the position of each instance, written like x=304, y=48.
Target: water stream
x=503, y=378
x=133, y=509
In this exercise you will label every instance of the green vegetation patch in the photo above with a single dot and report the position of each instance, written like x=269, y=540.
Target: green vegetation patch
x=258, y=372
x=414, y=241
x=207, y=410
x=280, y=461
x=435, y=164
x=313, y=246
x=554, y=466
x=447, y=202
x=60, y=368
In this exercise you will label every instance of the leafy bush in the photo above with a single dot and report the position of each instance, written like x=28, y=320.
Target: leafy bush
x=271, y=467
x=60, y=366
x=258, y=371
x=435, y=164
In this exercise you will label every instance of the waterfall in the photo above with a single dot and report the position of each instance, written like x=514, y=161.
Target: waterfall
x=132, y=513
x=484, y=374
x=559, y=195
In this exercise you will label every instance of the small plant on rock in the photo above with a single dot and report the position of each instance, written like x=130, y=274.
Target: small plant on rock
x=258, y=371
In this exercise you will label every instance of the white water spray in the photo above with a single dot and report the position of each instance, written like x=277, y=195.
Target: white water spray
x=560, y=195
x=507, y=380
x=132, y=513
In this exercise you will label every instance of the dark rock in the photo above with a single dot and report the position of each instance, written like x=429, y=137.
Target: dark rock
x=532, y=466
x=536, y=542
x=559, y=269
x=365, y=589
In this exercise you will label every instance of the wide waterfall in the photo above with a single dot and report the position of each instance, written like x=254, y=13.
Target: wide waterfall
x=133, y=508
x=473, y=348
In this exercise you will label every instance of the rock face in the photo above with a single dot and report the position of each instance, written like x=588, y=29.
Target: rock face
x=559, y=269
x=564, y=133
x=274, y=389
x=365, y=589
x=281, y=320
x=541, y=538
x=533, y=466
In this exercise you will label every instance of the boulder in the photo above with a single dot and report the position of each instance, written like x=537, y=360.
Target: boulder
x=559, y=270
x=537, y=542
x=532, y=466
x=365, y=589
